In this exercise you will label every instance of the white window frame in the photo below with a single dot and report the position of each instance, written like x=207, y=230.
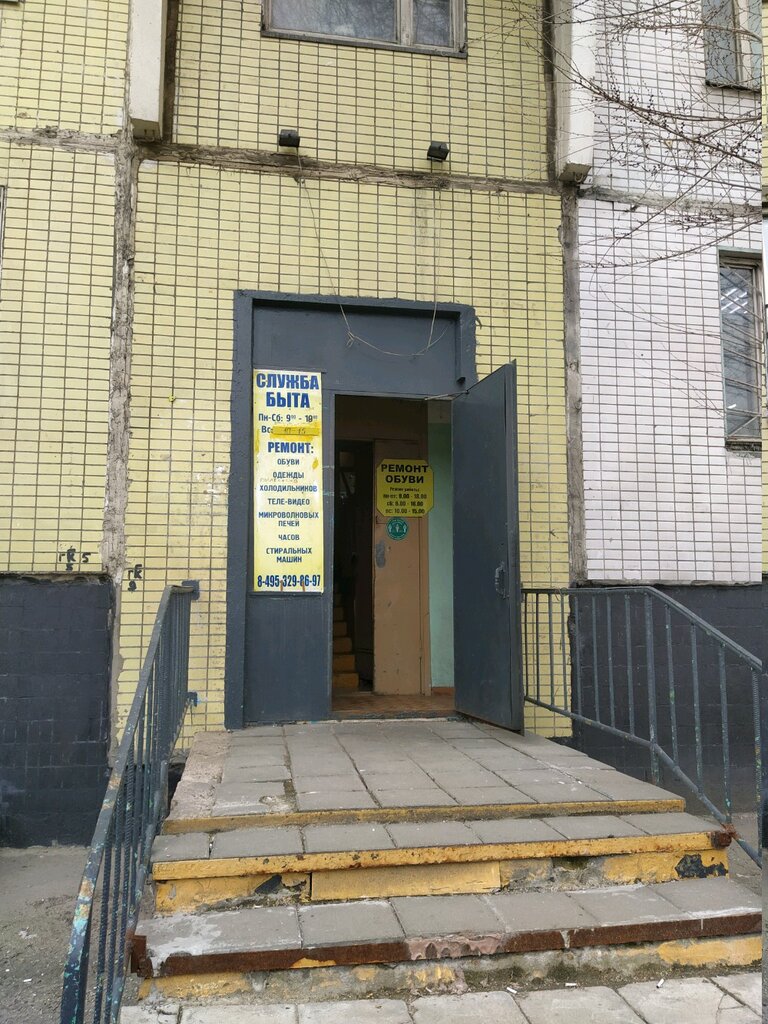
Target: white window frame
x=404, y=31
x=752, y=262
x=748, y=49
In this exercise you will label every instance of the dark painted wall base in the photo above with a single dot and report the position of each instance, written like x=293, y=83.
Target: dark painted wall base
x=741, y=613
x=54, y=706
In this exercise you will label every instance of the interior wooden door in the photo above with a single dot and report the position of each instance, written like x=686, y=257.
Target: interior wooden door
x=397, y=592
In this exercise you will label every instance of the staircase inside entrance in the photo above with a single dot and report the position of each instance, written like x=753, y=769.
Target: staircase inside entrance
x=345, y=676
x=344, y=859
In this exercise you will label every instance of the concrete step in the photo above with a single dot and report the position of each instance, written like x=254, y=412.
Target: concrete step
x=345, y=680
x=338, y=613
x=730, y=997
x=342, y=644
x=339, y=628
x=344, y=662
x=710, y=922
x=365, y=860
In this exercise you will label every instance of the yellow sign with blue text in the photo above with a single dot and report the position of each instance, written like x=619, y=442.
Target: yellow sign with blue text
x=287, y=482
x=404, y=487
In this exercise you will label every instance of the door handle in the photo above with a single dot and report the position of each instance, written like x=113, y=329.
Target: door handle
x=500, y=579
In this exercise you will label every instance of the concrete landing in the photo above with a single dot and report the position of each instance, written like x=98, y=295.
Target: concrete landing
x=393, y=770
x=727, y=999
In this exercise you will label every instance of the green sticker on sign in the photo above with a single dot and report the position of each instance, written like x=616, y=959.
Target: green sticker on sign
x=397, y=528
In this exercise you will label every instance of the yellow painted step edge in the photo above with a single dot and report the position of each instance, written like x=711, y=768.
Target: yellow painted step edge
x=684, y=842
x=389, y=815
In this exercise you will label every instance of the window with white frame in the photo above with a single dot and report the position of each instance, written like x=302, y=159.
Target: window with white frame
x=417, y=24
x=733, y=42
x=740, y=331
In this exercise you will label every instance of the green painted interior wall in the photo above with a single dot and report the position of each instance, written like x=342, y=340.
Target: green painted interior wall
x=441, y=552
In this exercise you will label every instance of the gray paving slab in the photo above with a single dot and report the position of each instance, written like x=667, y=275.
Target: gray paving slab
x=245, y=735
x=475, y=744
x=474, y=778
x=256, y=773
x=374, y=1011
x=710, y=895
x=470, y=1008
x=414, y=779
x=245, y=757
x=506, y=758
x=359, y=836
x=581, y=1006
x=385, y=766
x=349, y=782
x=327, y=924
x=432, y=833
x=514, y=830
x=247, y=792
x=228, y=931
x=622, y=787
x=414, y=798
x=188, y=846
x=426, y=916
x=447, y=726
x=684, y=999
x=593, y=826
x=167, y=1014
x=274, y=1014
x=257, y=842
x=627, y=904
x=489, y=795
x=535, y=773
x=557, y=790
x=747, y=988
x=573, y=760
x=660, y=823
x=538, y=911
x=330, y=801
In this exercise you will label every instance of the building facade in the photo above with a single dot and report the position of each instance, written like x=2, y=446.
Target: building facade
x=669, y=404
x=370, y=215
x=138, y=205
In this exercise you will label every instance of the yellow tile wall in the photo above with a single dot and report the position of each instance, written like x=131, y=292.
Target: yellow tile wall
x=202, y=233
x=55, y=306
x=373, y=106
x=62, y=64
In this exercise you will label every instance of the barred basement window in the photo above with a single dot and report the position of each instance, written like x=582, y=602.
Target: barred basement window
x=732, y=42
x=429, y=25
x=740, y=331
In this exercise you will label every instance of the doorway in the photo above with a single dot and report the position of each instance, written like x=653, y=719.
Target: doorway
x=293, y=356
x=381, y=562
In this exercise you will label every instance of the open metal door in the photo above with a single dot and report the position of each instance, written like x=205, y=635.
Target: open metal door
x=486, y=557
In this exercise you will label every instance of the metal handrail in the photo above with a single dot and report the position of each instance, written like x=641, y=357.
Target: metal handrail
x=609, y=660
x=133, y=809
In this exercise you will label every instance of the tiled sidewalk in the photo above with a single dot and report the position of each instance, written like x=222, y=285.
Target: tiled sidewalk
x=733, y=999
x=388, y=764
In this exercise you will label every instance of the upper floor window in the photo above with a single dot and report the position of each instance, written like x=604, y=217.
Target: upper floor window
x=415, y=24
x=733, y=42
x=741, y=330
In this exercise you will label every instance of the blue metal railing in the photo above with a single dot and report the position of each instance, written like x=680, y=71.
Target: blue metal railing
x=635, y=663
x=134, y=806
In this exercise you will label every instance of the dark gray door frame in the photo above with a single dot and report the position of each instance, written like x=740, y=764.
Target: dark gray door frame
x=444, y=368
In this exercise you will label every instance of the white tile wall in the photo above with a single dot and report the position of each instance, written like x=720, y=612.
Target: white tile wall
x=664, y=499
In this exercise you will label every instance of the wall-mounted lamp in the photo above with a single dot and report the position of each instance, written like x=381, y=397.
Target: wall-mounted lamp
x=437, y=151
x=288, y=138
